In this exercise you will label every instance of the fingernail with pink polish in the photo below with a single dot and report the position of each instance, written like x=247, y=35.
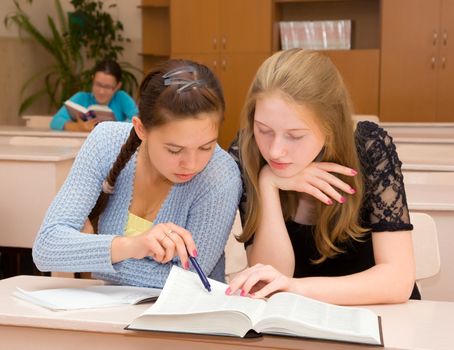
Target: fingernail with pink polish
x=354, y=172
x=186, y=265
x=342, y=200
x=195, y=253
x=352, y=191
x=243, y=293
x=329, y=202
x=228, y=291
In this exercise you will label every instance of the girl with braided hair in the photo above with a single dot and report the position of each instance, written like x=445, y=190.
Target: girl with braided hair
x=154, y=191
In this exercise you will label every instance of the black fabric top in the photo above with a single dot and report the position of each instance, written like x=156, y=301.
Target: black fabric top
x=384, y=208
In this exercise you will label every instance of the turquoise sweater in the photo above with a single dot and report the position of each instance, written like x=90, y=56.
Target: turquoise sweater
x=121, y=104
x=205, y=206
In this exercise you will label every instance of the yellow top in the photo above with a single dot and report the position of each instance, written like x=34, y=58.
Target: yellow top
x=136, y=225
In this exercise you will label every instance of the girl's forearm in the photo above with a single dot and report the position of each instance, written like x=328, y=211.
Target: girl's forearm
x=272, y=244
x=383, y=283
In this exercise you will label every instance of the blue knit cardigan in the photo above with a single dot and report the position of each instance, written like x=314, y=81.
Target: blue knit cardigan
x=205, y=206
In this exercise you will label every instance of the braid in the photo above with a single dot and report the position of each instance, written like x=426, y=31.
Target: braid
x=126, y=152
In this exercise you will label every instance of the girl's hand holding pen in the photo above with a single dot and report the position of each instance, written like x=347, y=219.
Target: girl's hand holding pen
x=162, y=242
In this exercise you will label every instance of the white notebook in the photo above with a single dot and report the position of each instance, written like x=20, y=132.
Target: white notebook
x=88, y=297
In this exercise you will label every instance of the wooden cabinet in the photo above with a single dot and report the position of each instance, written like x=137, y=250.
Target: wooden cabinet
x=445, y=98
x=400, y=66
x=417, y=61
x=360, y=66
x=232, y=37
x=155, y=32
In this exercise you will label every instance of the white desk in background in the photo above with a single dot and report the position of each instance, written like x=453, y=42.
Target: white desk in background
x=444, y=130
x=30, y=175
x=12, y=130
x=437, y=133
x=413, y=325
x=433, y=193
x=426, y=157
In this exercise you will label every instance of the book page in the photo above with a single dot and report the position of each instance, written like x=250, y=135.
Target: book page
x=184, y=293
x=322, y=317
x=102, y=113
x=76, y=111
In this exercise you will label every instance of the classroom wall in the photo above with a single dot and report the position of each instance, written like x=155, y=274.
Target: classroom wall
x=20, y=57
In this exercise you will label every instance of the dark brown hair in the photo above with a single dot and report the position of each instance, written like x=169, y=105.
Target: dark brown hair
x=173, y=90
x=109, y=67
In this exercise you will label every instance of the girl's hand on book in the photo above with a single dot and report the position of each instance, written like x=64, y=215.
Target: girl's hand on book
x=162, y=243
x=316, y=179
x=259, y=281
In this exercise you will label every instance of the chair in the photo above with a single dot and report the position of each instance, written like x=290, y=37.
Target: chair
x=425, y=246
x=235, y=254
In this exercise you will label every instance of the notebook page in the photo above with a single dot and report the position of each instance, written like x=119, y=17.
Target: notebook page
x=184, y=293
x=127, y=294
x=88, y=297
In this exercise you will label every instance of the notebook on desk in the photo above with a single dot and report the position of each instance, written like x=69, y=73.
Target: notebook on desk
x=89, y=297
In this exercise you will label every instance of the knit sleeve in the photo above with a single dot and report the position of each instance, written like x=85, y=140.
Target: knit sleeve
x=385, y=203
x=211, y=218
x=59, y=245
x=205, y=206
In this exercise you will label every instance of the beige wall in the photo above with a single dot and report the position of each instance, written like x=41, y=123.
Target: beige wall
x=21, y=58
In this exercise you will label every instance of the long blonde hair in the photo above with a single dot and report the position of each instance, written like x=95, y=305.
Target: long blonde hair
x=308, y=78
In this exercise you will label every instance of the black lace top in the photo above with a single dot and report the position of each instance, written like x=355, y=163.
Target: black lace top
x=384, y=209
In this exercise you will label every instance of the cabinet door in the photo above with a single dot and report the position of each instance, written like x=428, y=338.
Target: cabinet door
x=212, y=61
x=194, y=26
x=360, y=72
x=245, y=25
x=445, y=111
x=409, y=60
x=236, y=72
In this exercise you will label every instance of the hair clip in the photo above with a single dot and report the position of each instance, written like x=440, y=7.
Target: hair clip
x=185, y=83
x=178, y=71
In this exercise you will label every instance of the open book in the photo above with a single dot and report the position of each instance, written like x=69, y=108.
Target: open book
x=88, y=297
x=185, y=306
x=99, y=112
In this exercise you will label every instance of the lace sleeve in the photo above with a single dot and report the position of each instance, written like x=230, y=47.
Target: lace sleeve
x=234, y=151
x=385, y=203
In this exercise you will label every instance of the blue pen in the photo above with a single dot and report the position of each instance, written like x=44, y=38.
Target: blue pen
x=202, y=276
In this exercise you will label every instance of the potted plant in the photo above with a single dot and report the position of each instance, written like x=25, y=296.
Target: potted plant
x=78, y=41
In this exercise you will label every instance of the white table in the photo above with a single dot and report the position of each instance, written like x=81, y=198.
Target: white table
x=438, y=133
x=413, y=325
x=11, y=130
x=426, y=157
x=30, y=175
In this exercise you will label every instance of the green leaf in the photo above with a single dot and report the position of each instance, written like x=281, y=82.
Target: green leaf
x=61, y=17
